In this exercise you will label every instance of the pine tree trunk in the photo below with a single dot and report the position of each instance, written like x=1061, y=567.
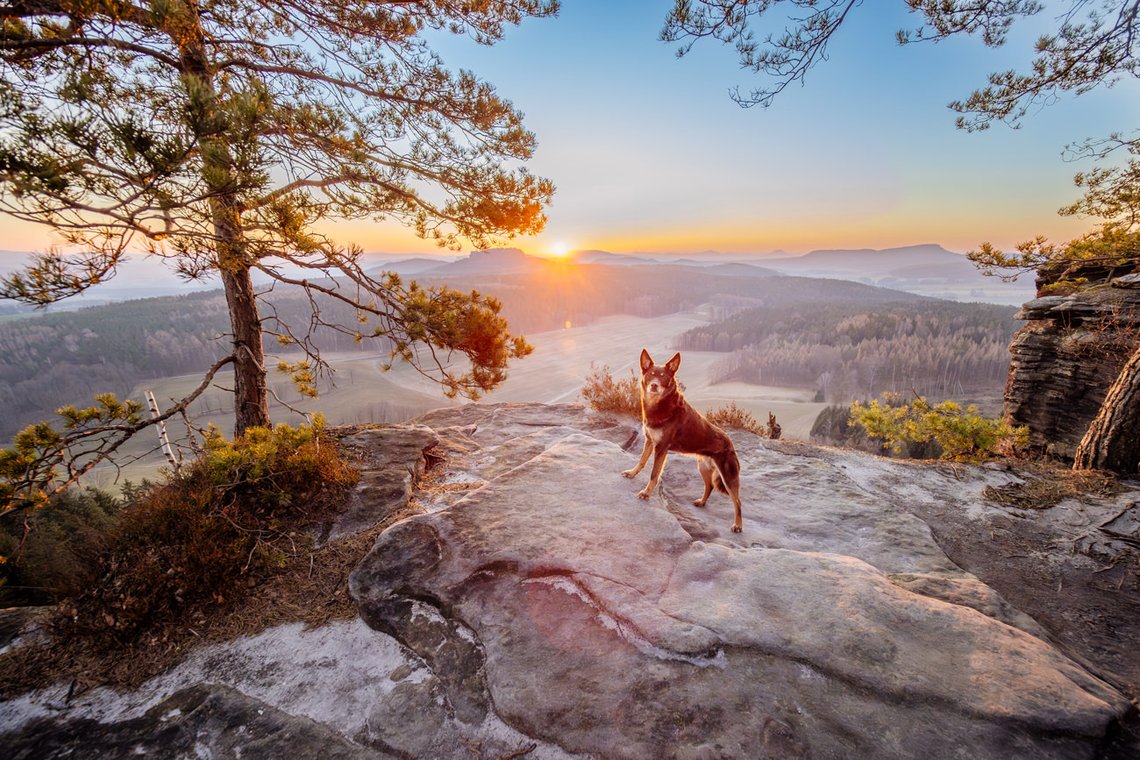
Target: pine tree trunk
x=1113, y=440
x=251, y=398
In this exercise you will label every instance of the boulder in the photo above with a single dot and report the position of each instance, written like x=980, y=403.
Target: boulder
x=392, y=459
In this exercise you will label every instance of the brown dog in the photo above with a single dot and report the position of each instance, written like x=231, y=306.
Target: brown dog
x=670, y=424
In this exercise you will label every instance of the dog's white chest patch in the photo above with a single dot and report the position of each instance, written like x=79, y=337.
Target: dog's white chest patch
x=653, y=434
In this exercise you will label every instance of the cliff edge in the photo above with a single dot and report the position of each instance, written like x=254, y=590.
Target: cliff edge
x=1064, y=359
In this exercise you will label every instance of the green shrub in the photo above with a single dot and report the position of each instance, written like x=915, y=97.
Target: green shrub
x=44, y=459
x=1064, y=287
x=605, y=394
x=60, y=555
x=216, y=528
x=963, y=435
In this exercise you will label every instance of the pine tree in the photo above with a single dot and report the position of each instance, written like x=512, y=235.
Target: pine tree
x=217, y=134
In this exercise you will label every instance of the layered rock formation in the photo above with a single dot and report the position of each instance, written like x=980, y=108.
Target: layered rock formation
x=534, y=606
x=1065, y=358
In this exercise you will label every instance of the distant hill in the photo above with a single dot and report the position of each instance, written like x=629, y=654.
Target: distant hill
x=927, y=269
x=605, y=257
x=704, y=258
x=492, y=261
x=880, y=259
x=508, y=261
x=408, y=267
x=739, y=269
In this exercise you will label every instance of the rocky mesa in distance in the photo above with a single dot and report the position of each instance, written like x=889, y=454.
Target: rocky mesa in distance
x=531, y=605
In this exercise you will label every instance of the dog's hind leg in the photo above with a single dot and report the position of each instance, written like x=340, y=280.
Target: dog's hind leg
x=728, y=467
x=644, y=458
x=734, y=492
x=707, y=470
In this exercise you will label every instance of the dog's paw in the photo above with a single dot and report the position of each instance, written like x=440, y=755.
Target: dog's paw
x=629, y=473
x=698, y=502
x=643, y=493
x=736, y=528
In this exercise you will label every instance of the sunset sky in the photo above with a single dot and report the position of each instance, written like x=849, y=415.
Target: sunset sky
x=649, y=154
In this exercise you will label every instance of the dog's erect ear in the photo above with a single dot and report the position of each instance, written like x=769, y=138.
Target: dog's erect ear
x=646, y=361
x=673, y=364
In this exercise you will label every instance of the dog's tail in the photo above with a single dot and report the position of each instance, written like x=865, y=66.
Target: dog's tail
x=727, y=469
x=717, y=482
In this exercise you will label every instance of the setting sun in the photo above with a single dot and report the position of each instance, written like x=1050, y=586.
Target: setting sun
x=560, y=249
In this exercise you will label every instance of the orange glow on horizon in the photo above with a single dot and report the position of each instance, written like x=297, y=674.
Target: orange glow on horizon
x=758, y=235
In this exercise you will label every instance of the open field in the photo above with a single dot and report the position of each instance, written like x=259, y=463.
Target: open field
x=360, y=392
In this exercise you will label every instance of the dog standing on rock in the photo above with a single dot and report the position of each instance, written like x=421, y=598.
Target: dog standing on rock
x=670, y=424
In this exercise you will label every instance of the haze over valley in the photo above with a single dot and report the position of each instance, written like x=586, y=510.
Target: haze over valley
x=749, y=334
x=927, y=269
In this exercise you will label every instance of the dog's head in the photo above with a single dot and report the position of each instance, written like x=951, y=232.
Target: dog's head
x=658, y=382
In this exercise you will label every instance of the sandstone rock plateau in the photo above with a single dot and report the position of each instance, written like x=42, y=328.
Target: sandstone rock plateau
x=534, y=606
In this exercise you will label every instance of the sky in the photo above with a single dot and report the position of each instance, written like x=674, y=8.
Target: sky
x=650, y=154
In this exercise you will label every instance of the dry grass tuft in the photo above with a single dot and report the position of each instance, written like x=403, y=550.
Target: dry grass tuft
x=1049, y=487
x=732, y=416
x=312, y=589
x=604, y=393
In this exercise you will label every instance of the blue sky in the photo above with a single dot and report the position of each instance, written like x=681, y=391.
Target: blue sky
x=650, y=154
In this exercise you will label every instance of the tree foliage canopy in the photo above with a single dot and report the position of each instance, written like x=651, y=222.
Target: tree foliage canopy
x=963, y=435
x=1094, y=45
x=781, y=40
x=123, y=120
x=217, y=134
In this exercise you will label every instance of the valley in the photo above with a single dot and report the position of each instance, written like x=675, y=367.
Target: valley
x=768, y=342
x=360, y=392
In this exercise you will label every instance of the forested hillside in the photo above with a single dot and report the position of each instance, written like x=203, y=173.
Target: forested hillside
x=50, y=360
x=579, y=294
x=937, y=348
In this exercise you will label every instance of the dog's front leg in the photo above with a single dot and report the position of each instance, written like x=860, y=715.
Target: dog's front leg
x=644, y=458
x=660, y=453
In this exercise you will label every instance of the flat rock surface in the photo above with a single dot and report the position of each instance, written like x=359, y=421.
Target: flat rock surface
x=536, y=607
x=834, y=626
